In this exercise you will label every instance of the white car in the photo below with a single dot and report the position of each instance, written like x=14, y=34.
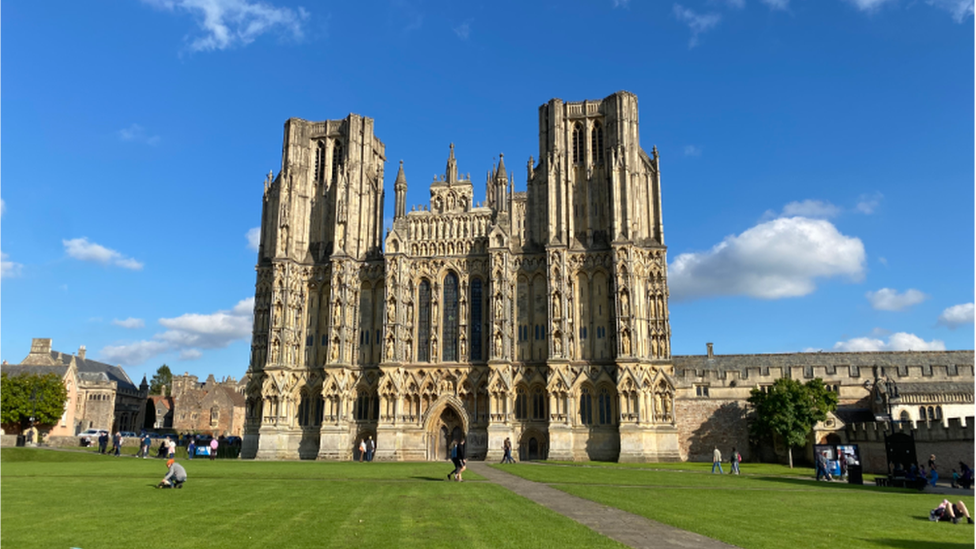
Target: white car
x=89, y=436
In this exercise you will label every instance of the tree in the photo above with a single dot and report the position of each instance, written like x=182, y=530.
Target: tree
x=47, y=407
x=163, y=378
x=790, y=409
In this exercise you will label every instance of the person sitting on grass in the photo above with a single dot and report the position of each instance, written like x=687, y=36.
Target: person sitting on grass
x=953, y=512
x=175, y=477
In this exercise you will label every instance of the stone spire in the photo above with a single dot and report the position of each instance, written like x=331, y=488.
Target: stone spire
x=451, y=174
x=501, y=184
x=400, y=193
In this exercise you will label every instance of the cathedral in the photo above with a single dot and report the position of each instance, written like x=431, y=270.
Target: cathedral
x=539, y=316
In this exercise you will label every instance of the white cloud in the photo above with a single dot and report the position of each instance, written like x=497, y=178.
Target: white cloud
x=230, y=23
x=698, y=23
x=188, y=334
x=463, y=31
x=957, y=315
x=130, y=323
x=960, y=9
x=773, y=260
x=735, y=4
x=253, y=237
x=867, y=203
x=621, y=3
x=868, y=5
x=82, y=249
x=883, y=261
x=138, y=134
x=887, y=299
x=900, y=341
x=9, y=269
x=190, y=354
x=691, y=150
x=777, y=4
x=819, y=209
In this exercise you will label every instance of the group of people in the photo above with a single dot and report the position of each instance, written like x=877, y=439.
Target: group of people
x=116, y=443
x=459, y=459
x=734, y=459
x=367, y=448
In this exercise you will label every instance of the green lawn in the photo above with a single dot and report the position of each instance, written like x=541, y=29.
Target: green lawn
x=761, y=511
x=54, y=499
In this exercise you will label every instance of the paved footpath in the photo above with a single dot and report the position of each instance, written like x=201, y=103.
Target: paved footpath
x=627, y=528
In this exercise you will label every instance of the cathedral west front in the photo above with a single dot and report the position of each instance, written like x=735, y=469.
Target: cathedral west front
x=539, y=316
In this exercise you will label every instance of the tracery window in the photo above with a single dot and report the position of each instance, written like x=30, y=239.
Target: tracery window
x=476, y=296
x=586, y=406
x=423, y=328
x=450, y=342
x=521, y=404
x=596, y=142
x=337, y=160
x=577, y=143
x=606, y=407
x=319, y=160
x=362, y=406
x=538, y=404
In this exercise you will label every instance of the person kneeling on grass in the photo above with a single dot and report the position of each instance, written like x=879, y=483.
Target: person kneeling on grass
x=175, y=477
x=950, y=512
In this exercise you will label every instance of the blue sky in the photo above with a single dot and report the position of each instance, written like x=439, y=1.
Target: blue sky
x=817, y=156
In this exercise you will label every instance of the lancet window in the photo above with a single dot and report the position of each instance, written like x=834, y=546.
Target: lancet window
x=450, y=341
x=606, y=407
x=577, y=143
x=423, y=328
x=586, y=406
x=521, y=404
x=476, y=322
x=337, y=160
x=596, y=142
x=319, y=161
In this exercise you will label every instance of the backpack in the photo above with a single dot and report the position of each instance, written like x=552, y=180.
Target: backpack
x=454, y=451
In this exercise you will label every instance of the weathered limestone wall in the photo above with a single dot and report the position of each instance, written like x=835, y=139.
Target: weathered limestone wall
x=951, y=442
x=704, y=424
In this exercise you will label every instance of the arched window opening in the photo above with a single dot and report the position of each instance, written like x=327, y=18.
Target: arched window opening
x=337, y=160
x=905, y=416
x=319, y=161
x=586, y=406
x=921, y=413
x=938, y=412
x=362, y=406
x=538, y=404
x=423, y=331
x=521, y=404
x=577, y=143
x=605, y=404
x=475, y=321
x=931, y=413
x=596, y=143
x=450, y=332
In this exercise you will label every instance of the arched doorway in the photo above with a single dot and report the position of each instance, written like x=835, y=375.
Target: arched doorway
x=533, y=445
x=444, y=429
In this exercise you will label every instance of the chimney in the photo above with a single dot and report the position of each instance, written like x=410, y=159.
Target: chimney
x=711, y=353
x=81, y=352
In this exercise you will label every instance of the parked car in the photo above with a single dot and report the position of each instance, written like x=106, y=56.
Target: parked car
x=129, y=434
x=90, y=436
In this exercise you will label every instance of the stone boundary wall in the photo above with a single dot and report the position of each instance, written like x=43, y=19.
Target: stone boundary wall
x=704, y=424
x=8, y=441
x=75, y=441
x=951, y=442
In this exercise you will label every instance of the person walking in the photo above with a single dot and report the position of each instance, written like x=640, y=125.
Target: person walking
x=717, y=461
x=370, y=447
x=462, y=460
x=213, y=448
x=362, y=450
x=102, y=442
x=117, y=444
x=933, y=472
x=453, y=453
x=735, y=458
x=170, y=448
x=146, y=443
x=191, y=448
x=507, y=447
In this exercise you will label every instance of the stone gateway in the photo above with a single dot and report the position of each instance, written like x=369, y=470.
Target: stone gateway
x=540, y=316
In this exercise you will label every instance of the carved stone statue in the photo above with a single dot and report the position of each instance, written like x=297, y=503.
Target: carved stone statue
x=557, y=311
x=389, y=348
x=337, y=314
x=498, y=343
x=625, y=339
x=624, y=304
x=391, y=311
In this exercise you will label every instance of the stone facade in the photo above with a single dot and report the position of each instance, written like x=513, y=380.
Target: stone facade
x=100, y=396
x=211, y=407
x=541, y=316
x=712, y=391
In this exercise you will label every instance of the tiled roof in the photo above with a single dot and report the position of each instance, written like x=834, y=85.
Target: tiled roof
x=21, y=369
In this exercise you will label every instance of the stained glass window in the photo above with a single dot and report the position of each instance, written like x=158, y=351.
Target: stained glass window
x=423, y=329
x=476, y=319
x=450, y=318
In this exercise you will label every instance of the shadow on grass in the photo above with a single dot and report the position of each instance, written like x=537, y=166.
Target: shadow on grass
x=432, y=479
x=916, y=544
